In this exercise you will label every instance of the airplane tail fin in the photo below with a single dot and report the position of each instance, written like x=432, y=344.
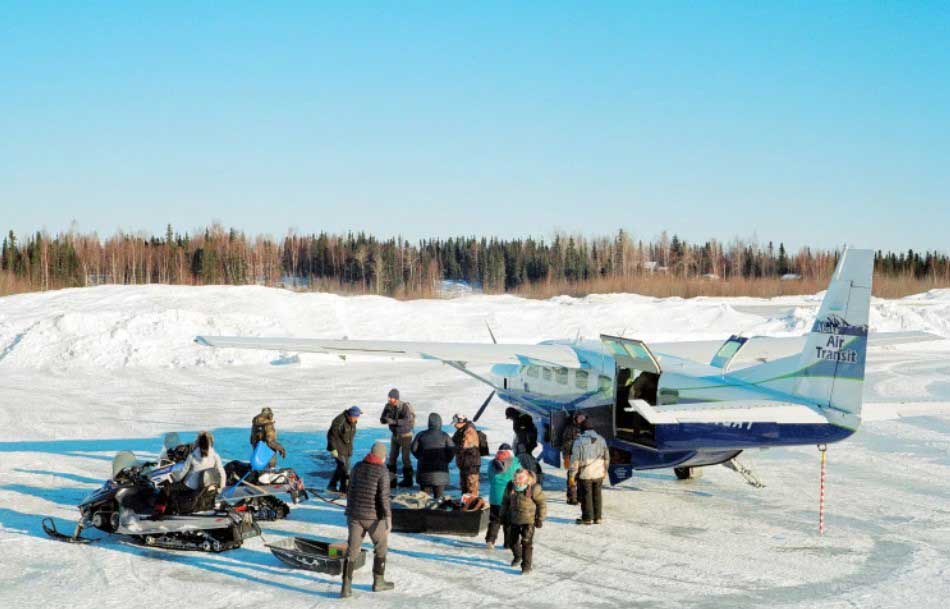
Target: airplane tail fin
x=831, y=366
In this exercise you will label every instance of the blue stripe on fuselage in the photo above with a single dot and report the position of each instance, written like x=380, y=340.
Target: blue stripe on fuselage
x=699, y=436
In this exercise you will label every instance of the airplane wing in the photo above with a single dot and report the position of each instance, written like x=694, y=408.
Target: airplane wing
x=759, y=349
x=455, y=353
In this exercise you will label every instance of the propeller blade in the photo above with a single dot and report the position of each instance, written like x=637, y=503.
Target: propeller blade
x=484, y=405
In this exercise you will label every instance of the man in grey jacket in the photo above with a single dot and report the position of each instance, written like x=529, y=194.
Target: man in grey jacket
x=590, y=459
x=401, y=419
x=368, y=512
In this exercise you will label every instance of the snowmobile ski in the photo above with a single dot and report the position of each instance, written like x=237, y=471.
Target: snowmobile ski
x=49, y=527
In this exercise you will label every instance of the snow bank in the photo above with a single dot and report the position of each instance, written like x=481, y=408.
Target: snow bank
x=154, y=326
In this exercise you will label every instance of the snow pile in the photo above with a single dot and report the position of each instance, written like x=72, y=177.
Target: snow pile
x=154, y=326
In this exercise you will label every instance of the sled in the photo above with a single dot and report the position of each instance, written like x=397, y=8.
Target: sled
x=320, y=555
x=447, y=522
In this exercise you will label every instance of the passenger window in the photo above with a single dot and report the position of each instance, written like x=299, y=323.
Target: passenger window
x=605, y=384
x=533, y=371
x=580, y=379
x=561, y=376
x=546, y=373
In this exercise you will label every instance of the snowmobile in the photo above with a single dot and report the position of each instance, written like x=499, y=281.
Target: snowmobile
x=125, y=505
x=256, y=491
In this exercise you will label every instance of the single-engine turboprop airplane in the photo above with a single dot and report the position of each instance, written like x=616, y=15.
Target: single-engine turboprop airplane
x=657, y=407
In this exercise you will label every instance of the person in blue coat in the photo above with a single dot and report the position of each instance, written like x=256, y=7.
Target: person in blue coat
x=500, y=472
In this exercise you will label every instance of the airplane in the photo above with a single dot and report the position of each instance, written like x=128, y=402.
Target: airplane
x=659, y=406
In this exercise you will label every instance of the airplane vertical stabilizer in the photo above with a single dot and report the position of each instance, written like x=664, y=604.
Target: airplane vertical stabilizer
x=831, y=366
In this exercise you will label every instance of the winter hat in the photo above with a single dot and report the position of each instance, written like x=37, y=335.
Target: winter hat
x=267, y=412
x=379, y=449
x=353, y=411
x=511, y=413
x=459, y=418
x=504, y=446
x=394, y=393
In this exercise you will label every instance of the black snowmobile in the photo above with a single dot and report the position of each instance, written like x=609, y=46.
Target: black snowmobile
x=125, y=506
x=246, y=489
x=256, y=491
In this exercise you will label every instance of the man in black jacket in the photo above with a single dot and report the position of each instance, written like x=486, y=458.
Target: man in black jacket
x=340, y=444
x=401, y=419
x=368, y=512
x=526, y=437
x=434, y=451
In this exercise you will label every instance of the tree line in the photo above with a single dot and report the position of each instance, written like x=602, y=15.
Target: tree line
x=362, y=263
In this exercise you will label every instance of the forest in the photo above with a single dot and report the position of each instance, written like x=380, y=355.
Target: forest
x=358, y=263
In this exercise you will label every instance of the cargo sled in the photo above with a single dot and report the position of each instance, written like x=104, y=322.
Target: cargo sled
x=320, y=555
x=466, y=517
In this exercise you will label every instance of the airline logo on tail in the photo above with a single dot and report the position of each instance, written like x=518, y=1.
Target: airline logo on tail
x=835, y=348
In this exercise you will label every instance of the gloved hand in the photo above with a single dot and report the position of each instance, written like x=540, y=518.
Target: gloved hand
x=538, y=523
x=283, y=452
x=335, y=454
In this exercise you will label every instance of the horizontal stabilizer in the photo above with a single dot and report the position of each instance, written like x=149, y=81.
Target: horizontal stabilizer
x=730, y=412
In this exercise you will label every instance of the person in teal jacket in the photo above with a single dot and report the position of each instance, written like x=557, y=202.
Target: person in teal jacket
x=500, y=473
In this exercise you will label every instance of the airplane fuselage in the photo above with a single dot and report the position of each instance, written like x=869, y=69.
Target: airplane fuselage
x=547, y=393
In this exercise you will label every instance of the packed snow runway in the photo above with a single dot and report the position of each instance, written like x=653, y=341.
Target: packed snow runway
x=85, y=373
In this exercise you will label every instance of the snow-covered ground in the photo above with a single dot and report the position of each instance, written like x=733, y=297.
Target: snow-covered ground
x=84, y=373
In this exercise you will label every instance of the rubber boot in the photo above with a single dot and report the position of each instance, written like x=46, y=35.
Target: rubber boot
x=526, y=556
x=406, y=479
x=379, y=570
x=347, y=590
x=516, y=550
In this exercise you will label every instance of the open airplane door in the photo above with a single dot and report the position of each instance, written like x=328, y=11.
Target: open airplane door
x=631, y=353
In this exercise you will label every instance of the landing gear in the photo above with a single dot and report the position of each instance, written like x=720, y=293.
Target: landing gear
x=744, y=471
x=687, y=473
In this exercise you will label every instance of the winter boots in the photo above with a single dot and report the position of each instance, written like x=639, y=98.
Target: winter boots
x=379, y=570
x=379, y=581
x=347, y=590
x=406, y=479
x=526, y=555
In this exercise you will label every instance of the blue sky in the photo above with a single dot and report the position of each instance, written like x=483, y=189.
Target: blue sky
x=817, y=123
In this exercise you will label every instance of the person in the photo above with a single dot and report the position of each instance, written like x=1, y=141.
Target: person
x=434, y=450
x=368, y=512
x=202, y=469
x=569, y=433
x=590, y=459
x=262, y=429
x=401, y=419
x=500, y=472
x=523, y=509
x=468, y=456
x=526, y=438
x=340, y=444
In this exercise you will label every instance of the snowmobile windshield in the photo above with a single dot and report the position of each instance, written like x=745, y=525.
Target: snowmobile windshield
x=123, y=460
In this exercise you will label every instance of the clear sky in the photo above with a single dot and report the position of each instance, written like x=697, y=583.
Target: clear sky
x=805, y=122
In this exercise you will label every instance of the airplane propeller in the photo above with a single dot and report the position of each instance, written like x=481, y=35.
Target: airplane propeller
x=484, y=405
